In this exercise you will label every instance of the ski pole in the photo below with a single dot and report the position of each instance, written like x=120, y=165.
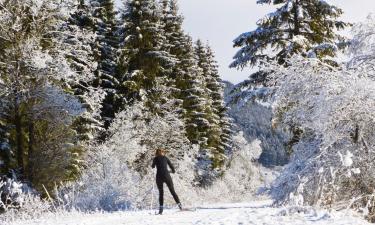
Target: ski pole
x=152, y=193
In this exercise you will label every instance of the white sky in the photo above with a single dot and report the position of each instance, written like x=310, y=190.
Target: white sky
x=221, y=21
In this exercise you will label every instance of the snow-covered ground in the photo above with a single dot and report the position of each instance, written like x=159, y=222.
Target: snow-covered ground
x=259, y=213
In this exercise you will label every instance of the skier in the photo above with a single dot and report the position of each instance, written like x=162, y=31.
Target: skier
x=163, y=176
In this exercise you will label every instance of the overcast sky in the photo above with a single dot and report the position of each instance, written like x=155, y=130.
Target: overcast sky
x=220, y=21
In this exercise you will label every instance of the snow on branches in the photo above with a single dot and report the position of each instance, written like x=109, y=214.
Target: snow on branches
x=334, y=110
x=291, y=29
x=363, y=47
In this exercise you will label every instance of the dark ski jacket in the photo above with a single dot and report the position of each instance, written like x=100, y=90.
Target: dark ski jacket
x=161, y=163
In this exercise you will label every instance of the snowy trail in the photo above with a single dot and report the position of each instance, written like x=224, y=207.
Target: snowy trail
x=254, y=213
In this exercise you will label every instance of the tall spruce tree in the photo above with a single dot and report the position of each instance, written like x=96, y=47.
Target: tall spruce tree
x=79, y=51
x=145, y=61
x=196, y=81
x=222, y=126
x=306, y=27
x=78, y=47
x=217, y=134
x=187, y=81
x=186, y=76
x=172, y=26
x=104, y=24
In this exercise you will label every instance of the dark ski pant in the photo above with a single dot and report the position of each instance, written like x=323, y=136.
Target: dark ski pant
x=168, y=180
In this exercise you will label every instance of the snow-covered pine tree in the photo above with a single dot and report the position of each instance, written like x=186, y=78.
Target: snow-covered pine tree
x=220, y=117
x=145, y=63
x=201, y=107
x=187, y=82
x=104, y=24
x=172, y=26
x=190, y=81
x=306, y=27
x=175, y=38
x=214, y=111
x=79, y=49
x=186, y=73
x=77, y=46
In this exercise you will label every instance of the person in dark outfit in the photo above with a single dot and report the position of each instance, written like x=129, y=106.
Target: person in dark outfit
x=162, y=176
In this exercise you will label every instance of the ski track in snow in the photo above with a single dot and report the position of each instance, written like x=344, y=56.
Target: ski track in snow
x=254, y=213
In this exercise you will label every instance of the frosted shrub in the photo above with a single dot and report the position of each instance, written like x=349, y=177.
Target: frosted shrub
x=362, y=48
x=10, y=193
x=332, y=163
x=33, y=207
x=242, y=178
x=19, y=201
x=106, y=185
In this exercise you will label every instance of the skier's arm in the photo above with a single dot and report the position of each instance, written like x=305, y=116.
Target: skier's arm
x=171, y=166
x=153, y=163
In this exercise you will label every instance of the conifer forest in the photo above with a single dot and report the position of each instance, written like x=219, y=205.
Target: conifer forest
x=90, y=89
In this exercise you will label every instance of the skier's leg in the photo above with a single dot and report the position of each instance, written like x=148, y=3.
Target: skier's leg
x=173, y=192
x=159, y=183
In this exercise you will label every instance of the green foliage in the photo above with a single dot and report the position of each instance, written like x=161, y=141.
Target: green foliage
x=307, y=27
x=218, y=132
x=104, y=24
x=144, y=59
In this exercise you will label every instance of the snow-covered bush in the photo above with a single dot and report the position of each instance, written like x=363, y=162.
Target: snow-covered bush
x=10, y=194
x=33, y=207
x=107, y=184
x=242, y=177
x=18, y=200
x=362, y=47
x=332, y=164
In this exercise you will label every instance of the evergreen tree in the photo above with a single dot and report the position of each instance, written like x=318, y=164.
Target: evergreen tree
x=192, y=86
x=196, y=83
x=104, y=24
x=172, y=26
x=145, y=63
x=306, y=27
x=222, y=131
x=203, y=64
x=186, y=80
x=79, y=51
x=190, y=82
x=217, y=133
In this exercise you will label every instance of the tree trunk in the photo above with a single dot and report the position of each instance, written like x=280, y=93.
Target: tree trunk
x=31, y=151
x=18, y=122
x=296, y=21
x=19, y=144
